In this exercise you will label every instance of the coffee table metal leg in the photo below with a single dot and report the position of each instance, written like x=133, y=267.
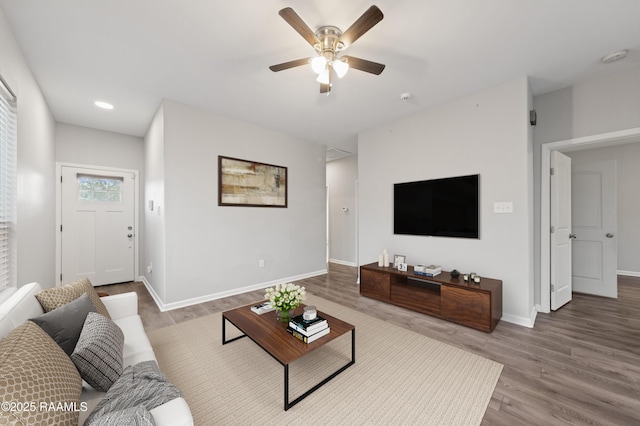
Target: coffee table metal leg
x=288, y=404
x=286, y=388
x=224, y=335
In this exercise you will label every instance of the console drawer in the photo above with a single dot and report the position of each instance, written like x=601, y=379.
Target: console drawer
x=375, y=285
x=422, y=297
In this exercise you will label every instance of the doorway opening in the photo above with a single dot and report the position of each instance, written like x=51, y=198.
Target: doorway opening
x=588, y=142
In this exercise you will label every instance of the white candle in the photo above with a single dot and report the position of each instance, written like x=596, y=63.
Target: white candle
x=386, y=257
x=381, y=260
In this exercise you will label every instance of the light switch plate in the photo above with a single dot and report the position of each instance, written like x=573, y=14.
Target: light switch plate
x=503, y=207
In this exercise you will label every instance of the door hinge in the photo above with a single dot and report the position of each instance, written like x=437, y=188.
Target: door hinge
x=60, y=179
x=60, y=228
x=553, y=229
x=553, y=171
x=553, y=287
x=60, y=277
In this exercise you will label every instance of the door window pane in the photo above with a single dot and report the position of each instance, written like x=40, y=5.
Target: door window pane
x=99, y=189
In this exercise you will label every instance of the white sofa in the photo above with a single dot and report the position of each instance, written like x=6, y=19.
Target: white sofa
x=123, y=309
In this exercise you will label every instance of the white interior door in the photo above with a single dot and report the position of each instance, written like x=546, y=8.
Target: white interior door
x=97, y=233
x=560, y=230
x=594, y=218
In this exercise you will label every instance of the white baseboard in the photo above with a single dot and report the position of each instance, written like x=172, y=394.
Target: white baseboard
x=342, y=262
x=151, y=291
x=523, y=321
x=214, y=296
x=629, y=273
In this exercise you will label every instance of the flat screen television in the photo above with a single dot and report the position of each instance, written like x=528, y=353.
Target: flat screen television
x=439, y=207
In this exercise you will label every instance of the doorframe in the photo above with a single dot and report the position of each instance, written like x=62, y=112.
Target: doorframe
x=136, y=213
x=593, y=141
x=328, y=225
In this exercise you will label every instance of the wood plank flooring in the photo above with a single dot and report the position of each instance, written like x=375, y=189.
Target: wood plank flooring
x=579, y=365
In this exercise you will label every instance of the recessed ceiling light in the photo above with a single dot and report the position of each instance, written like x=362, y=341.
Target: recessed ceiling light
x=614, y=57
x=103, y=105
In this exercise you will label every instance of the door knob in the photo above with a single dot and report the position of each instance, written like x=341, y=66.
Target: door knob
x=129, y=235
x=572, y=236
x=609, y=235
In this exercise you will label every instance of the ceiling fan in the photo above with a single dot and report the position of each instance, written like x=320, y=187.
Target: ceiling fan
x=329, y=42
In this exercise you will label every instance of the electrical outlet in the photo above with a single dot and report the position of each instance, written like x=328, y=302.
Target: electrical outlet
x=261, y=263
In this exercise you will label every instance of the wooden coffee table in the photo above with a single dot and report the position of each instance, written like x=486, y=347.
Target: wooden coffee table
x=272, y=336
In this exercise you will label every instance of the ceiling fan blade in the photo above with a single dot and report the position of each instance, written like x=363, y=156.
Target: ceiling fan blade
x=291, y=64
x=364, y=65
x=298, y=24
x=325, y=88
x=364, y=23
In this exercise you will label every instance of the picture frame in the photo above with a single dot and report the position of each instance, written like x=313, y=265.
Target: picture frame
x=397, y=259
x=244, y=183
x=402, y=267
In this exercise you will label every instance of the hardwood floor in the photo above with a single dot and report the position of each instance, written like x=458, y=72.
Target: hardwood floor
x=579, y=365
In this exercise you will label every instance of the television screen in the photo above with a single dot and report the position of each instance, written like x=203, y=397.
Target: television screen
x=439, y=207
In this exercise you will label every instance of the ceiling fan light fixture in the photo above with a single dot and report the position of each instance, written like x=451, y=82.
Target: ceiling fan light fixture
x=341, y=67
x=329, y=41
x=323, y=77
x=319, y=64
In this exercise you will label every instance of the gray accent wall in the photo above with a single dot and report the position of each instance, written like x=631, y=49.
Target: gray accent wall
x=213, y=251
x=487, y=133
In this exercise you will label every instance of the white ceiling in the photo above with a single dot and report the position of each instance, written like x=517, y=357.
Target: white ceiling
x=215, y=55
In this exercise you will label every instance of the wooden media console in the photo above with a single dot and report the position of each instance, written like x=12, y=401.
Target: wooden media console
x=477, y=306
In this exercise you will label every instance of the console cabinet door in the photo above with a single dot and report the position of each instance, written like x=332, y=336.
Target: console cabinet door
x=375, y=285
x=467, y=307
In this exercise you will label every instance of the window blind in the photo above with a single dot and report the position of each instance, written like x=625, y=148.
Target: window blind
x=8, y=186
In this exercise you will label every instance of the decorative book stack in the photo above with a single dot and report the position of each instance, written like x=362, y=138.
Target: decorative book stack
x=427, y=271
x=308, y=330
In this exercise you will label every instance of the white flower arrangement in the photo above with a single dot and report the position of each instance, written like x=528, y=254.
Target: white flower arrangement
x=285, y=297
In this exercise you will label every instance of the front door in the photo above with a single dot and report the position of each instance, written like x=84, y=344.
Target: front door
x=97, y=232
x=594, y=211
x=560, y=230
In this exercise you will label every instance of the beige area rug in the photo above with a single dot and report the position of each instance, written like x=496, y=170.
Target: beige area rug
x=399, y=378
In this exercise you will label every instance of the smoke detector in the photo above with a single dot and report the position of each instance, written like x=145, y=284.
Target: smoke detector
x=615, y=57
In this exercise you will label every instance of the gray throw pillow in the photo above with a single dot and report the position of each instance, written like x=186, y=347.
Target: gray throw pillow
x=65, y=323
x=98, y=354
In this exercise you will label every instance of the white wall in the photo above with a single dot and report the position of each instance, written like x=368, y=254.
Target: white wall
x=83, y=145
x=342, y=175
x=627, y=158
x=154, y=251
x=596, y=106
x=592, y=107
x=213, y=251
x=36, y=166
x=486, y=133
